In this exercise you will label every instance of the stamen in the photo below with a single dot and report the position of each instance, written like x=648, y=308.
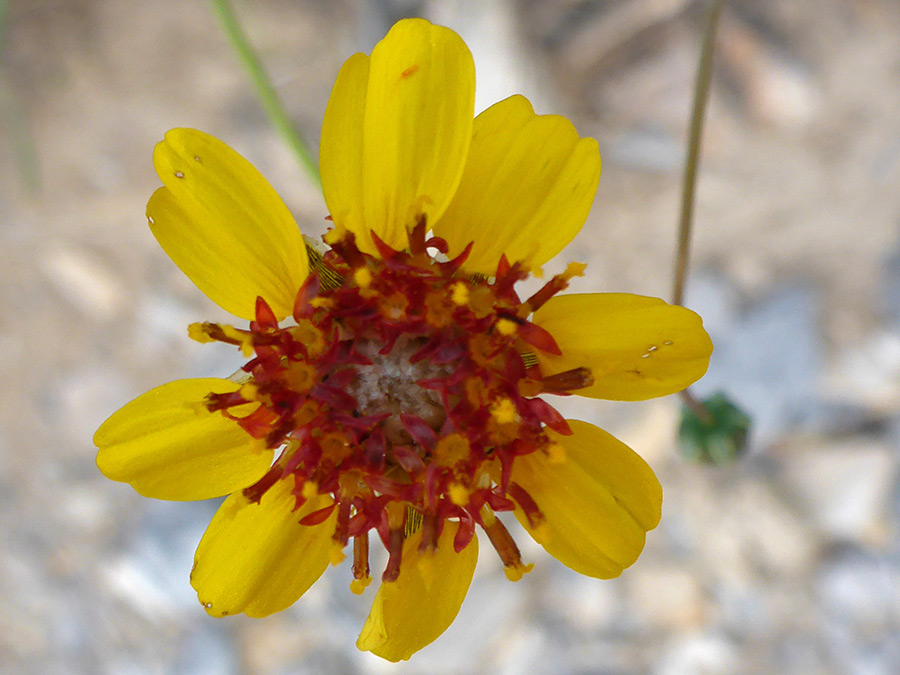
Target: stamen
x=341, y=530
x=362, y=276
x=505, y=546
x=506, y=326
x=451, y=449
x=199, y=333
x=536, y=519
x=429, y=533
x=417, y=237
x=346, y=248
x=213, y=332
x=256, y=491
x=361, y=571
x=558, y=283
x=395, y=555
x=569, y=380
x=459, y=494
x=460, y=294
x=504, y=411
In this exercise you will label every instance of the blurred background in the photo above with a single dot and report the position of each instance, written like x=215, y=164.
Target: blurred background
x=787, y=561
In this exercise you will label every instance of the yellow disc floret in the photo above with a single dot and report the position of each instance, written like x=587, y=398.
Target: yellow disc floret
x=504, y=411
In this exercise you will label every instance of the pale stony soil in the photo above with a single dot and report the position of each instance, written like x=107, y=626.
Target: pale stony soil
x=787, y=562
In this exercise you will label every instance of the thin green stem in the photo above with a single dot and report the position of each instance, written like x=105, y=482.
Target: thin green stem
x=696, y=406
x=689, y=183
x=16, y=125
x=14, y=120
x=698, y=113
x=264, y=89
x=4, y=13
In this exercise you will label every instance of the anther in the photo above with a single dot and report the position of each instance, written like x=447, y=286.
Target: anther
x=558, y=283
x=361, y=571
x=340, y=530
x=395, y=555
x=347, y=249
x=429, y=533
x=213, y=332
x=417, y=236
x=569, y=380
x=255, y=492
x=536, y=519
x=459, y=294
x=505, y=546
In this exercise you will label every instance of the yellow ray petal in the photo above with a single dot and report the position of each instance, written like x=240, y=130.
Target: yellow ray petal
x=408, y=156
x=526, y=190
x=599, y=501
x=414, y=610
x=167, y=445
x=257, y=558
x=222, y=223
x=340, y=151
x=418, y=126
x=637, y=347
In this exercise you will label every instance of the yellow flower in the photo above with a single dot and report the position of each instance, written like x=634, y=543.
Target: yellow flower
x=393, y=383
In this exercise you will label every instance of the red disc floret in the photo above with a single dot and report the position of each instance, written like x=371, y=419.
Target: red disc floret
x=401, y=391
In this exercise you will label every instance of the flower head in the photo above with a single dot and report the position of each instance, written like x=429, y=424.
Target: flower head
x=394, y=382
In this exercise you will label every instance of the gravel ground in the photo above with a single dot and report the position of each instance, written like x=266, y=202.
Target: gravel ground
x=785, y=562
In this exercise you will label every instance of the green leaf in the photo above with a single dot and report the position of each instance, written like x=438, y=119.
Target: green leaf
x=718, y=437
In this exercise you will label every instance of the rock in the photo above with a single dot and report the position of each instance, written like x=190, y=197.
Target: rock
x=209, y=651
x=860, y=590
x=85, y=282
x=776, y=88
x=153, y=575
x=699, y=654
x=767, y=360
x=744, y=609
x=81, y=398
x=667, y=597
x=845, y=486
x=589, y=606
x=737, y=527
x=648, y=149
x=889, y=299
x=860, y=601
x=868, y=373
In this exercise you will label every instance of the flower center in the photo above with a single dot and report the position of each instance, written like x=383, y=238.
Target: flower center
x=405, y=391
x=390, y=385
